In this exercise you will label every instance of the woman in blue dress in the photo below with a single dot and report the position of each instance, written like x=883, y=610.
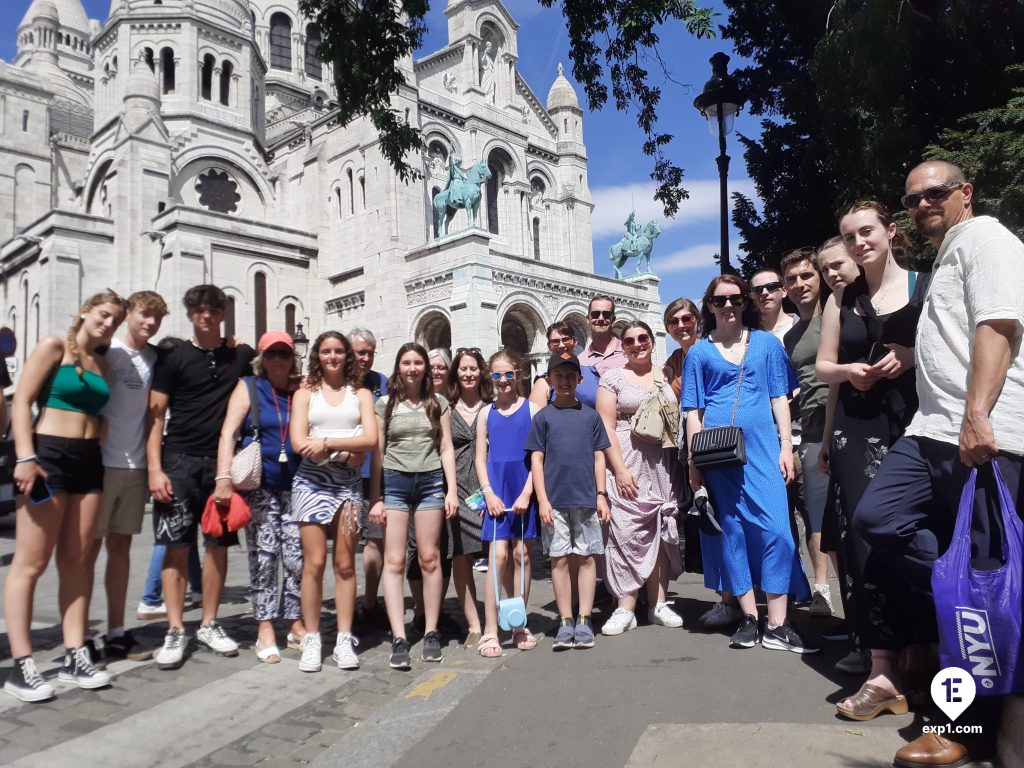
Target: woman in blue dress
x=739, y=375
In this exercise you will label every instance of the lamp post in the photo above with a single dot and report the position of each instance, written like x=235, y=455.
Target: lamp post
x=719, y=103
x=301, y=342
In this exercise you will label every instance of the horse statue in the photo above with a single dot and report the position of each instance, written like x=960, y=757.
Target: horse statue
x=461, y=194
x=638, y=246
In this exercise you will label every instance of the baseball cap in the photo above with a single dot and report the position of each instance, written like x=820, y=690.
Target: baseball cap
x=270, y=338
x=556, y=361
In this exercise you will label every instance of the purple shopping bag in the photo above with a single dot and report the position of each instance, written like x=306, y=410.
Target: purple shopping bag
x=979, y=612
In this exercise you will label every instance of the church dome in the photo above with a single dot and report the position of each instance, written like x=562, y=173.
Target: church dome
x=562, y=94
x=70, y=13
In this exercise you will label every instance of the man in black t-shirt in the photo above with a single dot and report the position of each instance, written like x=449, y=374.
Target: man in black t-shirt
x=194, y=380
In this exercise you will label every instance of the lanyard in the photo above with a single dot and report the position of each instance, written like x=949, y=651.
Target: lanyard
x=282, y=430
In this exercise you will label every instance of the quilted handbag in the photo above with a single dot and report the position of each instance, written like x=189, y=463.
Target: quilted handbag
x=247, y=465
x=656, y=421
x=722, y=447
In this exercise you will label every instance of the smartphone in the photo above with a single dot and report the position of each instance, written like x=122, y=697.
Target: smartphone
x=877, y=352
x=40, y=492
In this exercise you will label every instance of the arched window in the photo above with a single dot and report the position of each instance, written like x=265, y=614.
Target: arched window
x=351, y=194
x=289, y=319
x=500, y=165
x=337, y=199
x=147, y=56
x=259, y=290
x=281, y=42
x=536, y=238
x=24, y=194
x=24, y=121
x=362, y=192
x=167, y=69
x=314, y=67
x=206, y=78
x=229, y=317
x=225, y=83
x=433, y=212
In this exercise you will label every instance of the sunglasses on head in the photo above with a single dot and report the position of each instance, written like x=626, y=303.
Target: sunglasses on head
x=506, y=375
x=466, y=351
x=684, y=320
x=643, y=340
x=601, y=314
x=735, y=300
x=755, y=290
x=280, y=354
x=932, y=194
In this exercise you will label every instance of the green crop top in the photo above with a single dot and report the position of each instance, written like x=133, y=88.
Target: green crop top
x=86, y=394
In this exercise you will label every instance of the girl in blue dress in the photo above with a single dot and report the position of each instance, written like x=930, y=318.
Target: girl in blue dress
x=508, y=490
x=757, y=549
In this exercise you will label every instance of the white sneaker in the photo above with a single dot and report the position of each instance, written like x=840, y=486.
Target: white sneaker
x=620, y=621
x=344, y=651
x=821, y=603
x=216, y=639
x=148, y=611
x=172, y=655
x=663, y=614
x=721, y=615
x=312, y=657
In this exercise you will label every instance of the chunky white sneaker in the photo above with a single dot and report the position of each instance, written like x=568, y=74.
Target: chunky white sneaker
x=620, y=621
x=663, y=614
x=216, y=639
x=721, y=615
x=26, y=684
x=148, y=612
x=79, y=670
x=172, y=655
x=344, y=651
x=821, y=603
x=312, y=657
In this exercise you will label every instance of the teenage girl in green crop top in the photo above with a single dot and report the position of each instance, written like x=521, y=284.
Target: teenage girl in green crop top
x=62, y=450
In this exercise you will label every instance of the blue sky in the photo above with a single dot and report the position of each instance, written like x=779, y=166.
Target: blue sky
x=619, y=171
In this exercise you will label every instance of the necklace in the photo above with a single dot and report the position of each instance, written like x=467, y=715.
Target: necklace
x=282, y=424
x=876, y=303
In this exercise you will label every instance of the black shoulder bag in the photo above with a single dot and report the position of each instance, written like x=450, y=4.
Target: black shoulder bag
x=722, y=447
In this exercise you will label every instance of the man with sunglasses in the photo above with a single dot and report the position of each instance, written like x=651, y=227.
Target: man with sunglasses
x=970, y=381
x=194, y=380
x=604, y=351
x=767, y=290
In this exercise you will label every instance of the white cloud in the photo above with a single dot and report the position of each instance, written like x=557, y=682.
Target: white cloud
x=613, y=204
x=700, y=256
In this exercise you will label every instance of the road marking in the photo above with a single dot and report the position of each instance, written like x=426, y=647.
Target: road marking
x=431, y=685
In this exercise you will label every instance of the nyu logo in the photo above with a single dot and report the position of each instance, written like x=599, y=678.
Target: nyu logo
x=976, y=646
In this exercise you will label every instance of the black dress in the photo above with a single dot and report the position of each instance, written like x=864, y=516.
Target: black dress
x=865, y=426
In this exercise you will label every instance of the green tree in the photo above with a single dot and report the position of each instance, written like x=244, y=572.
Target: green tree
x=611, y=42
x=852, y=92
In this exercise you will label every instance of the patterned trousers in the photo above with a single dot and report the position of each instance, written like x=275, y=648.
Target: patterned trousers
x=273, y=540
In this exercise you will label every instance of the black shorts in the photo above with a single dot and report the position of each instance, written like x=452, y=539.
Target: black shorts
x=72, y=464
x=176, y=523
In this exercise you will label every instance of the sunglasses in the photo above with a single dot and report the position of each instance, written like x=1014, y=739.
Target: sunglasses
x=279, y=354
x=684, y=320
x=756, y=290
x=643, y=340
x=507, y=376
x=562, y=340
x=735, y=300
x=439, y=369
x=932, y=194
x=466, y=351
x=601, y=314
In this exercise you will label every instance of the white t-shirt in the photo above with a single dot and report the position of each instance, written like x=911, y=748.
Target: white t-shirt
x=978, y=275
x=130, y=378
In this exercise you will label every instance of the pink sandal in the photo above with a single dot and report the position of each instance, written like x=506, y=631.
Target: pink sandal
x=524, y=639
x=489, y=647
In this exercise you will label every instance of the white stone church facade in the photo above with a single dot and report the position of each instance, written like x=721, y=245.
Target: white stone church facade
x=191, y=141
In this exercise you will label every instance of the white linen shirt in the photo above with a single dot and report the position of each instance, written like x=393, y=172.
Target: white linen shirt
x=978, y=275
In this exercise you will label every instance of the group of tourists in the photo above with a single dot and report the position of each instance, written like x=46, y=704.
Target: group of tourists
x=861, y=415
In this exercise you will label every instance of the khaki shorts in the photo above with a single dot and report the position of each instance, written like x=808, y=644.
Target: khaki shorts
x=125, y=493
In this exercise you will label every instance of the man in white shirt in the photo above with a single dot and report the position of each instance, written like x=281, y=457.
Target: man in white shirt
x=970, y=381
x=125, y=481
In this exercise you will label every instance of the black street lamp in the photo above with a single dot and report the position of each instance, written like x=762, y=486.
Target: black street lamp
x=300, y=341
x=719, y=103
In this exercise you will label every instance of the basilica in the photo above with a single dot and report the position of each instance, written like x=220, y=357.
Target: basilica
x=194, y=141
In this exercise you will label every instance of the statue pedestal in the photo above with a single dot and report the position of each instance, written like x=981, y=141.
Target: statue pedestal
x=649, y=280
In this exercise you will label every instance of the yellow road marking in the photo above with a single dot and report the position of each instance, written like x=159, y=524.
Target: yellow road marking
x=431, y=685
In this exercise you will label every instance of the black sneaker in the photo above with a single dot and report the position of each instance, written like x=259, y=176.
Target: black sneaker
x=124, y=646
x=400, y=654
x=78, y=669
x=94, y=654
x=785, y=638
x=432, y=647
x=837, y=631
x=747, y=635
x=26, y=684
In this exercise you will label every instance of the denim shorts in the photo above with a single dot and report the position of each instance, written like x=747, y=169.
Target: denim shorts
x=575, y=532
x=413, y=491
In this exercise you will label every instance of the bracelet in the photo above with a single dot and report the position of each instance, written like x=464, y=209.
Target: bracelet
x=486, y=488
x=225, y=476
x=27, y=459
x=786, y=440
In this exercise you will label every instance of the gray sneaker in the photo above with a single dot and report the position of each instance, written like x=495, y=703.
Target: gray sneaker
x=821, y=604
x=721, y=615
x=216, y=639
x=583, y=637
x=565, y=636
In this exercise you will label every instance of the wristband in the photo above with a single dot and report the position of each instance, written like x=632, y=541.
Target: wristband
x=27, y=459
x=605, y=494
x=225, y=476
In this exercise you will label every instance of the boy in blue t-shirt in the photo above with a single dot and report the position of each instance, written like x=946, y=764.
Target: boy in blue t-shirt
x=569, y=482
